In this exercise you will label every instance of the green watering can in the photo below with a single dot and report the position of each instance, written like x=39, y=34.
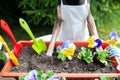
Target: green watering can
x=38, y=45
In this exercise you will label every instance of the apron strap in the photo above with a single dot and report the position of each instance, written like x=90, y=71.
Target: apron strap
x=61, y=2
x=85, y=2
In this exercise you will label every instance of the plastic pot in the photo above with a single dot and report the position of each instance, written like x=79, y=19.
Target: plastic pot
x=5, y=72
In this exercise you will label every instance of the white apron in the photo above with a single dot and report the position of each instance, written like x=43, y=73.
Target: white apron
x=74, y=25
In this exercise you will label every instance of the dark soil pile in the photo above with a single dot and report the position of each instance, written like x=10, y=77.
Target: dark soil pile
x=30, y=60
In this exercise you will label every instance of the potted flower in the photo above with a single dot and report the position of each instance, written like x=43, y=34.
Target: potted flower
x=40, y=75
x=7, y=73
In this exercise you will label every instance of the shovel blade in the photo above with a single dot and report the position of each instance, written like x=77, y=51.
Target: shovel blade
x=39, y=46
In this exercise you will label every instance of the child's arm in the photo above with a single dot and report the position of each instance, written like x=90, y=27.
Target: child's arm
x=91, y=22
x=55, y=32
x=91, y=25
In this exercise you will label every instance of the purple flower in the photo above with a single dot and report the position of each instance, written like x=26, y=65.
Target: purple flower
x=66, y=44
x=32, y=75
x=54, y=77
x=113, y=35
x=99, y=43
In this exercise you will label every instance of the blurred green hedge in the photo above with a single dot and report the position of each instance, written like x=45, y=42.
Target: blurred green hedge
x=39, y=11
x=43, y=12
x=105, y=12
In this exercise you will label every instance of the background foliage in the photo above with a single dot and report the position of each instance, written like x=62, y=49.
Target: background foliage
x=107, y=16
x=39, y=11
x=105, y=12
x=40, y=14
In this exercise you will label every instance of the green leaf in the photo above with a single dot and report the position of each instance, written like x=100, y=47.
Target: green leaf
x=88, y=59
x=63, y=78
x=42, y=77
x=40, y=72
x=58, y=49
x=51, y=73
x=61, y=56
x=102, y=55
x=102, y=77
x=22, y=77
x=85, y=54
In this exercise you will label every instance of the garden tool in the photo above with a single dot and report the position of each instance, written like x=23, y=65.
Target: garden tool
x=11, y=55
x=39, y=45
x=6, y=28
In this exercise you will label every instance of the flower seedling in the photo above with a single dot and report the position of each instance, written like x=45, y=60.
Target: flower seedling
x=102, y=55
x=85, y=54
x=40, y=75
x=114, y=40
x=66, y=50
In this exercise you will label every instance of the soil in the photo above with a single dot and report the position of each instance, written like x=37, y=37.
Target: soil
x=30, y=60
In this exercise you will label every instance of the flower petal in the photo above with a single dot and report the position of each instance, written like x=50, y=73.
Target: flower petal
x=91, y=42
x=32, y=75
x=113, y=35
x=99, y=43
x=112, y=42
x=54, y=77
x=66, y=44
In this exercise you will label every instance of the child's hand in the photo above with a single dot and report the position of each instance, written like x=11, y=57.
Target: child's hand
x=50, y=50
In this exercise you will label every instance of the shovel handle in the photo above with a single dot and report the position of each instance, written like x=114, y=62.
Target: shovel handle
x=25, y=26
x=11, y=55
x=6, y=28
x=5, y=45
